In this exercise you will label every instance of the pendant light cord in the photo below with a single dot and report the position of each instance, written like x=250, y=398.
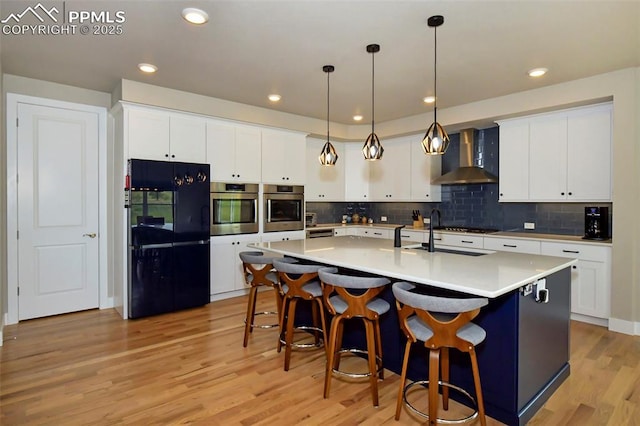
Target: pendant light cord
x=328, y=106
x=435, y=74
x=373, y=77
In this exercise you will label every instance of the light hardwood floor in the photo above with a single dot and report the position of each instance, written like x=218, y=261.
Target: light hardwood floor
x=93, y=368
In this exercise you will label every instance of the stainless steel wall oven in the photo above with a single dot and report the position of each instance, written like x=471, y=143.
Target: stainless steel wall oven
x=284, y=208
x=234, y=208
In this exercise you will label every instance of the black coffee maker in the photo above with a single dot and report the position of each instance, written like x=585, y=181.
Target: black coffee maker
x=596, y=223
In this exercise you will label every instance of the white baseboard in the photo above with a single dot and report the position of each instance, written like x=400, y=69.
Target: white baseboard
x=3, y=321
x=623, y=326
x=602, y=322
x=228, y=294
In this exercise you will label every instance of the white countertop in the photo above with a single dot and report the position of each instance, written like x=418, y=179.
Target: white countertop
x=491, y=275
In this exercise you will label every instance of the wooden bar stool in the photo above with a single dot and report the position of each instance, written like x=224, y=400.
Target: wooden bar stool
x=299, y=282
x=348, y=297
x=258, y=272
x=441, y=323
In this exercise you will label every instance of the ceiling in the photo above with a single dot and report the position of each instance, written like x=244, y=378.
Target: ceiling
x=250, y=49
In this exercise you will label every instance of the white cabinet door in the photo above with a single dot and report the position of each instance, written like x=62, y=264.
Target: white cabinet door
x=424, y=168
x=338, y=232
x=324, y=183
x=356, y=173
x=283, y=236
x=248, y=154
x=548, y=158
x=390, y=177
x=459, y=240
x=413, y=236
x=512, y=244
x=188, y=139
x=148, y=134
x=233, y=151
x=589, y=154
x=590, y=276
x=514, y=161
x=283, y=157
x=374, y=232
x=226, y=267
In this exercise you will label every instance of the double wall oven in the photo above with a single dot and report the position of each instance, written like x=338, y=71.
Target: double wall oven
x=234, y=208
x=283, y=208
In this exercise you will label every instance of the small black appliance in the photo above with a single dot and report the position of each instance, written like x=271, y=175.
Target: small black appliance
x=596, y=223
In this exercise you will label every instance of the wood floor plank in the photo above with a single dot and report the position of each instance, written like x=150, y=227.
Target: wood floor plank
x=190, y=367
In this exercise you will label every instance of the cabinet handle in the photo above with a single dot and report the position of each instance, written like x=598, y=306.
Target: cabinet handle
x=166, y=156
x=570, y=251
x=467, y=242
x=570, y=193
x=510, y=245
x=501, y=194
x=427, y=195
x=377, y=233
x=574, y=267
x=562, y=193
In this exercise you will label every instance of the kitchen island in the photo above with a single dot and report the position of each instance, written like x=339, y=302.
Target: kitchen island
x=525, y=356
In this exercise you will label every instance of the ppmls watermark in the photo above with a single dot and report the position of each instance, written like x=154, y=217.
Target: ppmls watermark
x=57, y=20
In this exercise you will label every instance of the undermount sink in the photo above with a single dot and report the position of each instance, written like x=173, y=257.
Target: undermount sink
x=425, y=247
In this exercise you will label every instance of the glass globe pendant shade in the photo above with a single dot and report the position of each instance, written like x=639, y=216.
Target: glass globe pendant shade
x=372, y=149
x=328, y=156
x=436, y=140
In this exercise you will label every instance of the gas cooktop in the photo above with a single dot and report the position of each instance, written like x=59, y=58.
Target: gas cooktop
x=465, y=229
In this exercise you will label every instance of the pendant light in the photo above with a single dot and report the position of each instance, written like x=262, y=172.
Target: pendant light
x=436, y=140
x=372, y=149
x=328, y=156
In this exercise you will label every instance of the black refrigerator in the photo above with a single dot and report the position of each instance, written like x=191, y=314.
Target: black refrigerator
x=168, y=205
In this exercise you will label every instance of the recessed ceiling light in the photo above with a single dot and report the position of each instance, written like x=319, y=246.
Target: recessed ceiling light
x=357, y=117
x=429, y=99
x=537, y=72
x=195, y=16
x=148, y=68
x=274, y=97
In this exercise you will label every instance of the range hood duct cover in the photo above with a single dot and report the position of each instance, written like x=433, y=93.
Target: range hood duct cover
x=467, y=172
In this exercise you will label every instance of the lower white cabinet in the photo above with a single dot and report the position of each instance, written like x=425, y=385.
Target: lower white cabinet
x=337, y=232
x=374, y=232
x=226, y=267
x=283, y=236
x=413, y=236
x=460, y=240
x=590, y=276
x=512, y=244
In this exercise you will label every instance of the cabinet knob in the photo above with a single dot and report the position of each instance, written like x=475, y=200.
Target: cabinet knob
x=570, y=193
x=574, y=267
x=501, y=194
x=562, y=193
x=427, y=195
x=173, y=156
x=166, y=156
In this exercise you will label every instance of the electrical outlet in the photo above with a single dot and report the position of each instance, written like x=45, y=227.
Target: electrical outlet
x=426, y=220
x=529, y=225
x=383, y=218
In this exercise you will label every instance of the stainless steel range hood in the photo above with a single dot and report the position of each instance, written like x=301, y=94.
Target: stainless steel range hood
x=467, y=172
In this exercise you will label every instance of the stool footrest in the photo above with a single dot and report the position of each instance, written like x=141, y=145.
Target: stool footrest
x=305, y=345
x=424, y=384
x=355, y=352
x=253, y=325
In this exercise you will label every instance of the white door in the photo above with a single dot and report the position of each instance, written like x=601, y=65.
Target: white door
x=57, y=211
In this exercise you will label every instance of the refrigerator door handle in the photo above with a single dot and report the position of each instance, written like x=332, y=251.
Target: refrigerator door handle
x=190, y=243
x=152, y=246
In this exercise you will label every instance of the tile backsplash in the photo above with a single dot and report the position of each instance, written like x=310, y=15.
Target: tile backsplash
x=471, y=204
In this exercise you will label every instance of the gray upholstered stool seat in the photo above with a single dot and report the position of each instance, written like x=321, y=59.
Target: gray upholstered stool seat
x=258, y=272
x=348, y=297
x=440, y=323
x=299, y=281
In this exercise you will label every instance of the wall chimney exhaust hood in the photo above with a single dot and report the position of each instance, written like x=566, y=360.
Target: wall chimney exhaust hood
x=467, y=172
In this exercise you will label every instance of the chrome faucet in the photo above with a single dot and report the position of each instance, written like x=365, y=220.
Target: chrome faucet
x=432, y=247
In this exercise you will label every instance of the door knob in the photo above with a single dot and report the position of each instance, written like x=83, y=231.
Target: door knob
x=92, y=235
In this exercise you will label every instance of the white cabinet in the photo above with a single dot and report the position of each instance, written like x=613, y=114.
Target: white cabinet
x=390, y=177
x=515, y=245
x=559, y=156
x=234, y=152
x=338, y=232
x=590, y=276
x=162, y=135
x=283, y=236
x=356, y=174
x=324, y=183
x=513, y=182
x=413, y=236
x=460, y=240
x=283, y=157
x=374, y=232
x=226, y=267
x=424, y=168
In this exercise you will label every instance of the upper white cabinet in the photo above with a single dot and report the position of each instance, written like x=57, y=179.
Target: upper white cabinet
x=424, y=168
x=324, y=183
x=283, y=157
x=560, y=156
x=390, y=177
x=162, y=135
x=234, y=152
x=356, y=173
